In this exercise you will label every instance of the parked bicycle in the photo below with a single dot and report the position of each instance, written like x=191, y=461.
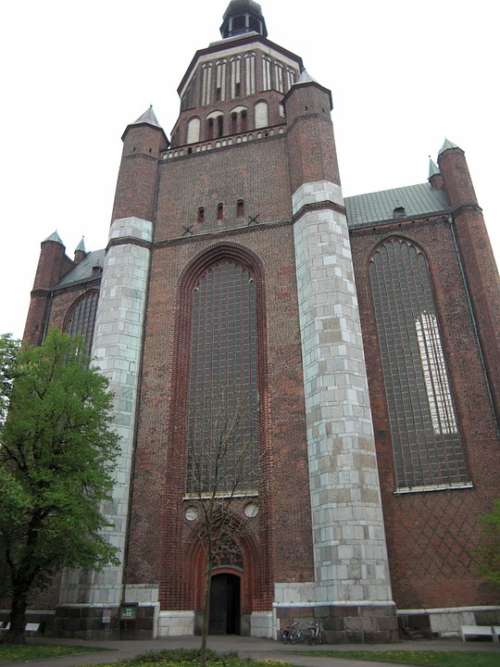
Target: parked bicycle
x=294, y=634
x=314, y=633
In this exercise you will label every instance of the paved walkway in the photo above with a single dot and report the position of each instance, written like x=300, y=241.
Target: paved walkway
x=246, y=647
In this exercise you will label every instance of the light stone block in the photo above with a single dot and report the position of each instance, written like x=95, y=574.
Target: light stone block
x=175, y=623
x=262, y=624
x=118, y=353
x=345, y=496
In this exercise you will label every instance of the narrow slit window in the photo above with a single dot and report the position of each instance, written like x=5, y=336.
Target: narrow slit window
x=210, y=132
x=220, y=211
x=220, y=126
x=201, y=214
x=240, y=208
x=244, y=121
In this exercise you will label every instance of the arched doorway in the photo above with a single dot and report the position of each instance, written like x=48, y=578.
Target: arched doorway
x=225, y=609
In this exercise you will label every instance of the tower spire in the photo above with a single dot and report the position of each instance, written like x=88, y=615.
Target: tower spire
x=243, y=16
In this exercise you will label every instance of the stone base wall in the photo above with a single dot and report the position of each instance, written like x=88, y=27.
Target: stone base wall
x=345, y=623
x=262, y=624
x=176, y=623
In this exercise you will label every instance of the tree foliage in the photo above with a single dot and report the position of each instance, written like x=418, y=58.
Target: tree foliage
x=57, y=455
x=489, y=550
x=9, y=348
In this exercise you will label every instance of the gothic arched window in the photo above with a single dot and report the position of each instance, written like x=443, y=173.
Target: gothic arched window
x=425, y=437
x=80, y=320
x=222, y=401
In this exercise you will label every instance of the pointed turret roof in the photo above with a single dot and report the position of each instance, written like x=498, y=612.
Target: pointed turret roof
x=446, y=145
x=54, y=237
x=148, y=118
x=433, y=168
x=305, y=77
x=81, y=246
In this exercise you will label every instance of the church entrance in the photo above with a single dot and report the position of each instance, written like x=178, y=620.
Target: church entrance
x=225, y=605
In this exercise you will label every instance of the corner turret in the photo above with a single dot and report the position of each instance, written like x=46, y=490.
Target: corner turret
x=457, y=180
x=51, y=267
x=311, y=145
x=80, y=251
x=435, y=178
x=143, y=142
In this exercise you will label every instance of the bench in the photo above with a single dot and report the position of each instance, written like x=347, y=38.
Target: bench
x=492, y=631
x=29, y=627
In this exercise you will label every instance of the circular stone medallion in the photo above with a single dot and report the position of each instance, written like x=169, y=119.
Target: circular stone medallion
x=191, y=514
x=251, y=510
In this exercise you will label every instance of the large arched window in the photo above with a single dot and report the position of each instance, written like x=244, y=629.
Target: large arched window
x=80, y=319
x=426, y=442
x=222, y=401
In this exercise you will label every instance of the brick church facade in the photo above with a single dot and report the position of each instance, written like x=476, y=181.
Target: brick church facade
x=356, y=340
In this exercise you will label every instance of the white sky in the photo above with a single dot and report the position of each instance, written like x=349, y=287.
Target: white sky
x=74, y=73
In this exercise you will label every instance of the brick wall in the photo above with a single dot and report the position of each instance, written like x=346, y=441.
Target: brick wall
x=432, y=536
x=158, y=528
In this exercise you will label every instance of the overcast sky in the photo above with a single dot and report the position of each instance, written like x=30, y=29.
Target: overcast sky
x=74, y=73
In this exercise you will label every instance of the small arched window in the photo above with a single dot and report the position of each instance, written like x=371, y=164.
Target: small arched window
x=261, y=115
x=426, y=443
x=80, y=319
x=210, y=128
x=220, y=211
x=201, y=214
x=193, y=131
x=240, y=208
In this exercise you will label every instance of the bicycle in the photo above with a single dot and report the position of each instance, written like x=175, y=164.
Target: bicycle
x=314, y=633
x=292, y=634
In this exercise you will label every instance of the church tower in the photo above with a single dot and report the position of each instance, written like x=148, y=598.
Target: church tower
x=324, y=368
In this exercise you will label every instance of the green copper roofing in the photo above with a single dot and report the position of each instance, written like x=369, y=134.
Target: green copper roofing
x=54, y=237
x=84, y=270
x=446, y=145
x=433, y=168
x=374, y=207
x=81, y=246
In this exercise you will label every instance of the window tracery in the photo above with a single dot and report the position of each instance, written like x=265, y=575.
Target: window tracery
x=426, y=443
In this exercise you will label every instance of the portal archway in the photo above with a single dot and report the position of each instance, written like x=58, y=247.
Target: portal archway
x=225, y=604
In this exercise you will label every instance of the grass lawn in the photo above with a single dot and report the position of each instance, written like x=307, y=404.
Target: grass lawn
x=190, y=658
x=11, y=653
x=427, y=658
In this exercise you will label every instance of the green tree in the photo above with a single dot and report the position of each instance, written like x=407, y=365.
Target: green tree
x=8, y=353
x=57, y=456
x=489, y=549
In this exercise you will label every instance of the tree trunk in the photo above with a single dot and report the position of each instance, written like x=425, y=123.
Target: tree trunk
x=15, y=635
x=206, y=617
